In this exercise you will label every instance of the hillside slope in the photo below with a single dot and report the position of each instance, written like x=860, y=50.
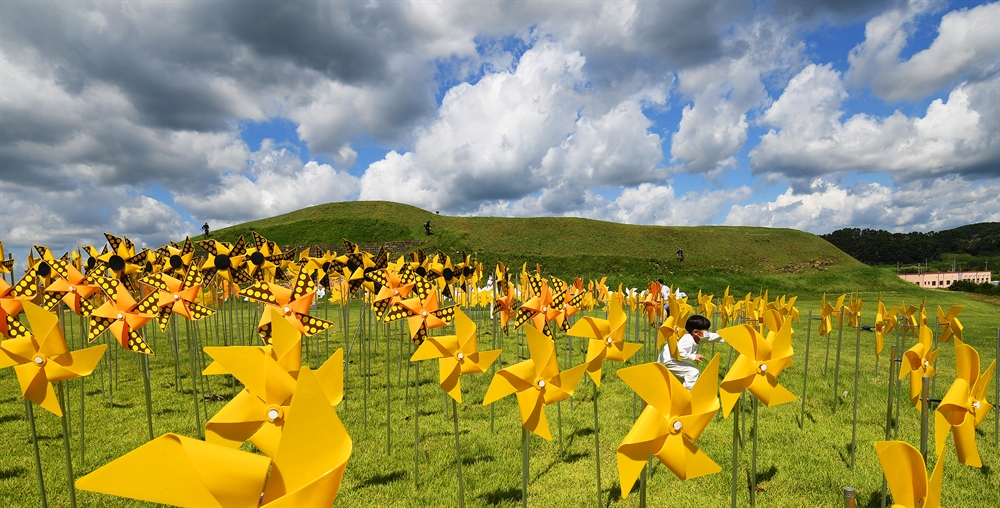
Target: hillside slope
x=569, y=247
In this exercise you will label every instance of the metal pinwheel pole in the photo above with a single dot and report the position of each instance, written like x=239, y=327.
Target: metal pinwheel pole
x=38, y=459
x=525, y=437
x=924, y=415
x=736, y=452
x=458, y=455
x=65, y=436
x=854, y=420
x=597, y=447
x=888, y=412
x=836, y=365
x=805, y=371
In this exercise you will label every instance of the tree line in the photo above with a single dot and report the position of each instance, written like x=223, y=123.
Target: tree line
x=880, y=247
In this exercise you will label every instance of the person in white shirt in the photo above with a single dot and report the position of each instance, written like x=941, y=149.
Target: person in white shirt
x=687, y=348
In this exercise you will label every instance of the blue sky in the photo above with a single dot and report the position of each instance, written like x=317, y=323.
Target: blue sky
x=150, y=119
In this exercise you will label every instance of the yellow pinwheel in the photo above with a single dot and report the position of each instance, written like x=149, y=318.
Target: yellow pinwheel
x=952, y=326
x=536, y=308
x=123, y=316
x=536, y=381
x=672, y=328
x=12, y=299
x=176, y=258
x=73, y=288
x=607, y=339
x=306, y=469
x=671, y=422
x=458, y=355
x=883, y=325
x=42, y=358
x=504, y=304
x=292, y=304
x=259, y=412
x=394, y=287
x=177, y=297
x=917, y=362
x=266, y=261
x=122, y=259
x=705, y=305
x=6, y=264
x=422, y=311
x=963, y=406
x=906, y=475
x=757, y=367
x=226, y=260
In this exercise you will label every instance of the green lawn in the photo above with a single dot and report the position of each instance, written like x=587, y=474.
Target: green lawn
x=796, y=467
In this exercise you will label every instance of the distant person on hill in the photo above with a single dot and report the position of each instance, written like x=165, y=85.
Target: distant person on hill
x=205, y=229
x=427, y=227
x=687, y=348
x=680, y=254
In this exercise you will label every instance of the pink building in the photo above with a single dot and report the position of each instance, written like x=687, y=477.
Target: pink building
x=945, y=279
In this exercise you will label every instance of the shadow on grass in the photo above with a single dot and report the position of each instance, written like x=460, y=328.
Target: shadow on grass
x=121, y=406
x=165, y=411
x=762, y=477
x=10, y=418
x=501, y=496
x=12, y=472
x=382, y=479
x=468, y=461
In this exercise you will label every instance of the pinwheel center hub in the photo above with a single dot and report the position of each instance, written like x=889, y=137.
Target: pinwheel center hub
x=460, y=356
x=116, y=263
x=222, y=262
x=287, y=309
x=423, y=313
x=72, y=289
x=610, y=340
x=395, y=292
x=676, y=426
x=545, y=309
x=176, y=261
x=39, y=360
x=177, y=296
x=91, y=263
x=43, y=269
x=540, y=384
x=257, y=258
x=121, y=316
x=975, y=404
x=762, y=367
x=273, y=413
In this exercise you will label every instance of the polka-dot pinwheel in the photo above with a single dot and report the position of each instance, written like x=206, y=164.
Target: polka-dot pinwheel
x=421, y=310
x=306, y=469
x=226, y=260
x=177, y=297
x=176, y=259
x=565, y=303
x=73, y=288
x=122, y=259
x=906, y=475
x=458, y=354
x=393, y=288
x=952, y=326
x=964, y=406
x=42, y=358
x=12, y=299
x=6, y=264
x=260, y=411
x=266, y=261
x=671, y=422
x=537, y=308
x=536, y=381
x=123, y=316
x=607, y=339
x=757, y=367
x=292, y=304
x=917, y=362
x=505, y=304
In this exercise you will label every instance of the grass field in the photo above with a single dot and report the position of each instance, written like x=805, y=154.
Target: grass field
x=796, y=467
x=799, y=463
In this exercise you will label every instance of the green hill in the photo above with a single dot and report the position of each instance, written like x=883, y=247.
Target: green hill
x=747, y=258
